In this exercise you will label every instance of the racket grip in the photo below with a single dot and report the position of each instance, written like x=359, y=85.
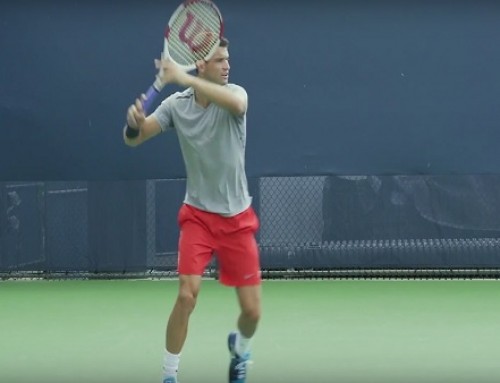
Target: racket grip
x=151, y=95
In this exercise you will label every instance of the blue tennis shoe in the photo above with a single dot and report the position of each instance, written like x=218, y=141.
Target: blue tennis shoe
x=238, y=364
x=170, y=379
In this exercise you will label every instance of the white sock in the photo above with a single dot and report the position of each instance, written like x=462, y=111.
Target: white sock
x=170, y=363
x=242, y=344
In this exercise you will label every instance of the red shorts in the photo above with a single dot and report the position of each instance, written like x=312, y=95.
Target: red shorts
x=231, y=239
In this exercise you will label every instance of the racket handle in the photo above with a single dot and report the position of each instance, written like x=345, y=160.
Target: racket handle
x=151, y=95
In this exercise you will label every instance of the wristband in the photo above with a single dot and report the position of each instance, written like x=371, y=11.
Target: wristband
x=131, y=132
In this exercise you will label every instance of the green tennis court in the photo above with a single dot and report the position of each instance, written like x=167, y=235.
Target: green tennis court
x=311, y=331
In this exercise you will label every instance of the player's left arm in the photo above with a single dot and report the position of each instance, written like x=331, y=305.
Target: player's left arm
x=235, y=101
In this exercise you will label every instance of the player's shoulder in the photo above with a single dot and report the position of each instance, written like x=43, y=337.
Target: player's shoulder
x=180, y=96
x=236, y=88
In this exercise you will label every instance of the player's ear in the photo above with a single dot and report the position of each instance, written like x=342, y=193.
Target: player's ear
x=200, y=65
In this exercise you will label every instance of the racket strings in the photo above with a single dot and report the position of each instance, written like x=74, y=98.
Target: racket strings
x=194, y=34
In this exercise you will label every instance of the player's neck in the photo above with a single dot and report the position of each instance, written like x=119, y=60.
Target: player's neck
x=204, y=102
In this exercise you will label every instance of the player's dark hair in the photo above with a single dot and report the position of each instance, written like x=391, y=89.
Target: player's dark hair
x=224, y=43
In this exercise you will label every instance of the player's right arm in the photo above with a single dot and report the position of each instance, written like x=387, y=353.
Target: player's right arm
x=140, y=128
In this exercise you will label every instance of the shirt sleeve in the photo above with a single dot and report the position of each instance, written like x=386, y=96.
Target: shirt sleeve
x=238, y=89
x=163, y=114
x=242, y=92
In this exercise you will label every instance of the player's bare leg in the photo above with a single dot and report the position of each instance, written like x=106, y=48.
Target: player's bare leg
x=189, y=287
x=249, y=298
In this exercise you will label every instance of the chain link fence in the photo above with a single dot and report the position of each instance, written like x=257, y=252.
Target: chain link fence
x=314, y=227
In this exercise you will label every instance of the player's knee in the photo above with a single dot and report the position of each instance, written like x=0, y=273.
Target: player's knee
x=252, y=313
x=187, y=300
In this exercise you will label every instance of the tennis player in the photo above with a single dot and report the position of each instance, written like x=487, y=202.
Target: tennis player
x=216, y=218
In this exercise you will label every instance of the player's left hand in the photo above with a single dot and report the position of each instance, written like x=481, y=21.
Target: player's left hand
x=169, y=72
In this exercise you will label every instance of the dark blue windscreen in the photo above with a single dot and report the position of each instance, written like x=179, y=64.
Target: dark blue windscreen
x=335, y=87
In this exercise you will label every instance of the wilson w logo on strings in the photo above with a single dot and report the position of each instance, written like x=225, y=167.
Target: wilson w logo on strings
x=192, y=31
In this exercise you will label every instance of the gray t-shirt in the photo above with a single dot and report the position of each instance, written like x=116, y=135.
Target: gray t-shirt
x=212, y=142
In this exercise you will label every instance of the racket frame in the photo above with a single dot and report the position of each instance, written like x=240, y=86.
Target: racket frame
x=158, y=85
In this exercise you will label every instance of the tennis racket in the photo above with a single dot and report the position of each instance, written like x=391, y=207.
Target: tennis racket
x=193, y=33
